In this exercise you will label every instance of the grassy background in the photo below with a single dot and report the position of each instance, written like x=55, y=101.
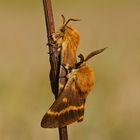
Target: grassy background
x=113, y=107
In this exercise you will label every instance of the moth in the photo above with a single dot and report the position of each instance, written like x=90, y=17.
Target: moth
x=66, y=39
x=70, y=105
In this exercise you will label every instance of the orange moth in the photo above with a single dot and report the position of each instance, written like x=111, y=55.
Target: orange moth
x=66, y=39
x=70, y=104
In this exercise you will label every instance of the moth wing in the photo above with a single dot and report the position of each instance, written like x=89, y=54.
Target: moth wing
x=68, y=108
x=68, y=50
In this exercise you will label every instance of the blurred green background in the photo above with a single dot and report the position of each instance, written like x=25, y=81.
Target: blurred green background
x=113, y=107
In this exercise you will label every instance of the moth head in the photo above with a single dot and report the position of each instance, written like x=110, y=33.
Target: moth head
x=83, y=60
x=65, y=23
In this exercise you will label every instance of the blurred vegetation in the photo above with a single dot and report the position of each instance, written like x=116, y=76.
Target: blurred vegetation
x=113, y=107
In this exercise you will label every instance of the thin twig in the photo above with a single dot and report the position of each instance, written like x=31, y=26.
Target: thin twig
x=53, y=58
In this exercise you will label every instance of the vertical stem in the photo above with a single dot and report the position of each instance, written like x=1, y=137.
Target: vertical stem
x=63, y=135
x=53, y=56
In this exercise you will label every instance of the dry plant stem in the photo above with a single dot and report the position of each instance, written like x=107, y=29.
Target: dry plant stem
x=63, y=133
x=53, y=58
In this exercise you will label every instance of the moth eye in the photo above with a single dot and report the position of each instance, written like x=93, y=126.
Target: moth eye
x=62, y=29
x=61, y=34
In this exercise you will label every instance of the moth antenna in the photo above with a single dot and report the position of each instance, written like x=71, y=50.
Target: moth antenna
x=94, y=53
x=63, y=18
x=82, y=59
x=71, y=19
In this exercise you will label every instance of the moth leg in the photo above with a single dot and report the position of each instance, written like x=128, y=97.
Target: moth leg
x=67, y=68
x=50, y=36
x=54, y=46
